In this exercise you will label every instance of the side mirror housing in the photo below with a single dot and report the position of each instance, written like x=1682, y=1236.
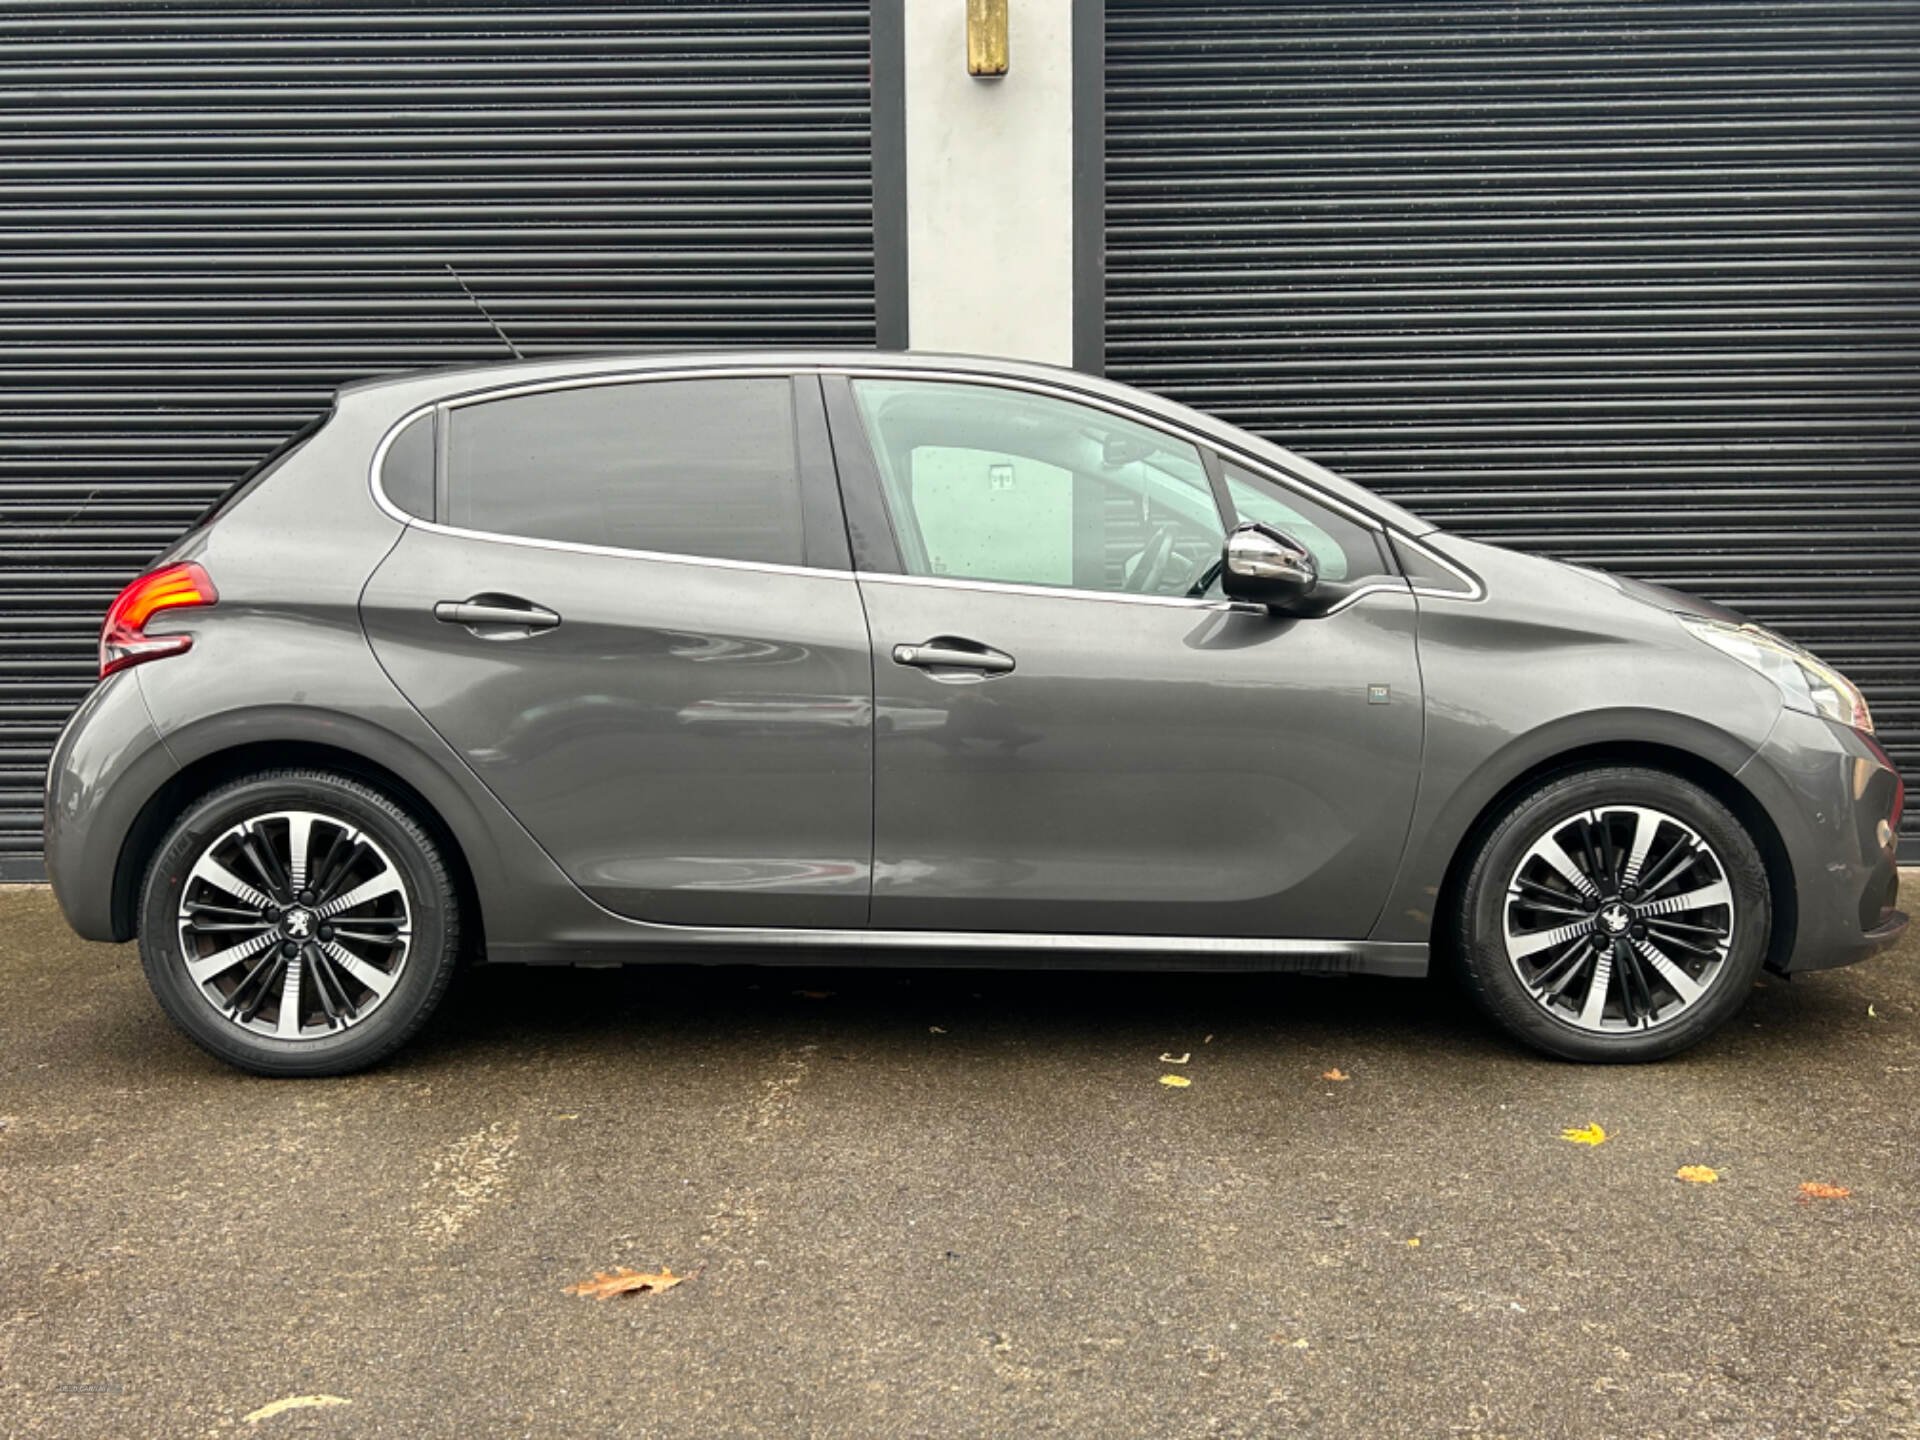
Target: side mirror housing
x=1267, y=566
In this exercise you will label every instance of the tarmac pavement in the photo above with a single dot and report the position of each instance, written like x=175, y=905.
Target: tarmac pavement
x=947, y=1203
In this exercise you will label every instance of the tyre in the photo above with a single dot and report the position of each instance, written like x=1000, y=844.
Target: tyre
x=299, y=923
x=1616, y=914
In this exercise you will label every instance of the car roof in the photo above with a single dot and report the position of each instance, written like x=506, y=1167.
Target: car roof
x=426, y=387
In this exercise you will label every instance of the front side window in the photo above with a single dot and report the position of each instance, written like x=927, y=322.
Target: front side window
x=685, y=467
x=986, y=483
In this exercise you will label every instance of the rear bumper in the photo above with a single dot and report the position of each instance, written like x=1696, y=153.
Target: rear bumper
x=106, y=765
x=1836, y=801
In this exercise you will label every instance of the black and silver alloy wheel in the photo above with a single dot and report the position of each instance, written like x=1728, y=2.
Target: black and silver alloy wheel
x=1619, y=918
x=1613, y=914
x=299, y=922
x=294, y=923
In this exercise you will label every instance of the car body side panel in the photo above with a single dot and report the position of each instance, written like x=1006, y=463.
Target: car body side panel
x=1551, y=661
x=692, y=743
x=1145, y=767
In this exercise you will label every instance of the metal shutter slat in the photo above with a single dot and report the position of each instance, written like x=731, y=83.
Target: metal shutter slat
x=210, y=216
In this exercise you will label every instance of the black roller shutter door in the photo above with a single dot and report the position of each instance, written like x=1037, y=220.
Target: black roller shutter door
x=211, y=215
x=1636, y=285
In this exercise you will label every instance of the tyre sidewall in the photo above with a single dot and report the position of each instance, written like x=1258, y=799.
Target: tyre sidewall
x=429, y=895
x=1489, y=974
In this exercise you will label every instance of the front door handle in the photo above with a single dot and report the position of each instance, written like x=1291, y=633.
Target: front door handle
x=947, y=653
x=499, y=614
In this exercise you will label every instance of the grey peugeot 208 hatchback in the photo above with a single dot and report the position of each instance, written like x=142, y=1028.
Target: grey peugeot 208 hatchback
x=926, y=660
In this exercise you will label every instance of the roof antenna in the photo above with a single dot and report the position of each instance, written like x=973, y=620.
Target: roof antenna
x=512, y=348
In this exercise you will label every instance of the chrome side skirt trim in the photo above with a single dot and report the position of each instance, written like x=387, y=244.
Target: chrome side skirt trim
x=639, y=941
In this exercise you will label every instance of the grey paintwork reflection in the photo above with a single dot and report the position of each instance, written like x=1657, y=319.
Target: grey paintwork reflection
x=692, y=745
x=1179, y=769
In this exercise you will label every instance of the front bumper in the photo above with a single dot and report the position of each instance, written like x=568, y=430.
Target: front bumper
x=1836, y=801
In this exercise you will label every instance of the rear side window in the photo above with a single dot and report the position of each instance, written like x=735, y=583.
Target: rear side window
x=687, y=467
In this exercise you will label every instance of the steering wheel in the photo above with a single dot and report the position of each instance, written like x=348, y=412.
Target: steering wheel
x=1153, y=561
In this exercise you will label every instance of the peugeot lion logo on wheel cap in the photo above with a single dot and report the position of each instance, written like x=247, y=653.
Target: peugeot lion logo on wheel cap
x=1615, y=919
x=299, y=923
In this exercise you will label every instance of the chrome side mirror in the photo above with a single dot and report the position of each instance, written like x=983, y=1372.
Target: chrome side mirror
x=1267, y=566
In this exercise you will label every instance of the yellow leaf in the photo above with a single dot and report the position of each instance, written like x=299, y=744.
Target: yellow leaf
x=1591, y=1135
x=292, y=1402
x=1178, y=1082
x=1697, y=1174
x=1815, y=1190
x=1414, y=1243
x=626, y=1282
x=1335, y=1074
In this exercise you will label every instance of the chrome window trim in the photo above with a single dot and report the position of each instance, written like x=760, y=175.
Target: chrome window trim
x=1476, y=590
x=575, y=547
x=880, y=370
x=1068, y=592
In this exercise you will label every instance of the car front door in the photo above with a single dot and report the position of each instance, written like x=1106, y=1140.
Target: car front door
x=629, y=607
x=1068, y=738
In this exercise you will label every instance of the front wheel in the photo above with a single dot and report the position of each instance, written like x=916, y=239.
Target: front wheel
x=299, y=923
x=1616, y=914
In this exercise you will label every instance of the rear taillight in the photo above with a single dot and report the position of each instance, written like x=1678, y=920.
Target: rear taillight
x=123, y=639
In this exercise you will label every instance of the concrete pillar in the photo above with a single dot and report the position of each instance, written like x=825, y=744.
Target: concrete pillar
x=991, y=194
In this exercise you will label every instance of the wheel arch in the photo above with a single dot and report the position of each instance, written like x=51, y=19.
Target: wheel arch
x=218, y=767
x=1689, y=765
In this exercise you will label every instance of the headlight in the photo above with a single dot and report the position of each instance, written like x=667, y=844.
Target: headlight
x=1808, y=683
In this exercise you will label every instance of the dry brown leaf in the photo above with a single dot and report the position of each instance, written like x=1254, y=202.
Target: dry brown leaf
x=1697, y=1174
x=292, y=1402
x=626, y=1282
x=1335, y=1074
x=1815, y=1190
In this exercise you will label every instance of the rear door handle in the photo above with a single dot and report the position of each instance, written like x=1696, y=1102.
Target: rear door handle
x=496, y=612
x=947, y=653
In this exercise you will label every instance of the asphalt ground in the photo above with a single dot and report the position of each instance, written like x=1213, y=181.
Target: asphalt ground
x=952, y=1203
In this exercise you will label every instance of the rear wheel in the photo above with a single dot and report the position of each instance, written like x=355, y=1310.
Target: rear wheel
x=1616, y=914
x=299, y=923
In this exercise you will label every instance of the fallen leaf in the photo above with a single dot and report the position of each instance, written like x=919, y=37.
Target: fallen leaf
x=1176, y=1059
x=1207, y=1041
x=813, y=994
x=1178, y=1082
x=1872, y=1014
x=1697, y=1174
x=1815, y=1190
x=292, y=1402
x=626, y=1282
x=1335, y=1074
x=1591, y=1135
x=1414, y=1243
x=935, y=1030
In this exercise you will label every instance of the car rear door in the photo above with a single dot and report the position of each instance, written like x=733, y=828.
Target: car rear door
x=1069, y=741
x=628, y=606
